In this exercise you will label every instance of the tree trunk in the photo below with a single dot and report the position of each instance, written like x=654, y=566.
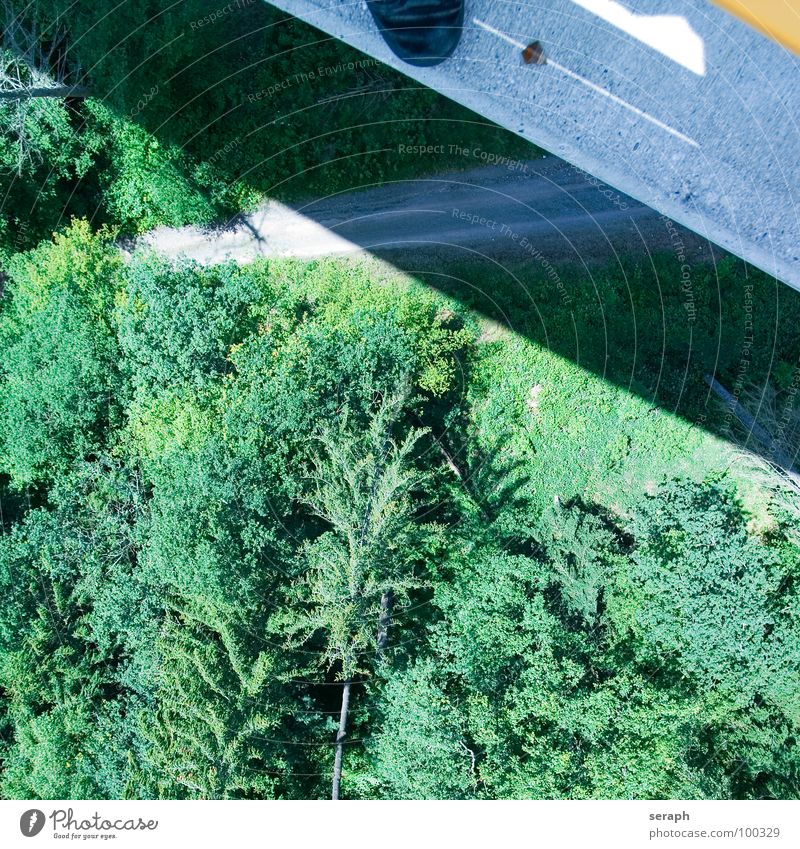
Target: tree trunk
x=54, y=91
x=341, y=734
x=385, y=619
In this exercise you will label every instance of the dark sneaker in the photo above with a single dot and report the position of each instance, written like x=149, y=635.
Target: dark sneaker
x=420, y=32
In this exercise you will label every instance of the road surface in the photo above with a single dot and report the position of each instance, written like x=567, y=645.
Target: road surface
x=545, y=208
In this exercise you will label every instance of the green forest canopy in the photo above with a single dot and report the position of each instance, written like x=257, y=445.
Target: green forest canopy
x=227, y=493
x=212, y=477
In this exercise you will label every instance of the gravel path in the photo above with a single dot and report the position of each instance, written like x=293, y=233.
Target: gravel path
x=544, y=209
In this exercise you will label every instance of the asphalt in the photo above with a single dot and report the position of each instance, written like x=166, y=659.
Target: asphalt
x=672, y=102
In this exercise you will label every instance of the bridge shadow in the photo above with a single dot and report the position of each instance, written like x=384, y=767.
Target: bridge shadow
x=691, y=330
x=550, y=253
x=250, y=104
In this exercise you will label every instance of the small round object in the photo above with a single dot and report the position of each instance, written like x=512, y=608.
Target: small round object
x=533, y=54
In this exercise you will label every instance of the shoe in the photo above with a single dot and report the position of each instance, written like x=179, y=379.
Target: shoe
x=420, y=32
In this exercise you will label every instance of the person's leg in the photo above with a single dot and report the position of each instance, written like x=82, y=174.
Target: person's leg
x=420, y=32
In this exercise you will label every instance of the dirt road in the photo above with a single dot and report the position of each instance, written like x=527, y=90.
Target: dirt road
x=543, y=208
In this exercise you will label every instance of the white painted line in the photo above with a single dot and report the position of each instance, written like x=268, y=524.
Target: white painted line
x=589, y=83
x=634, y=109
x=493, y=31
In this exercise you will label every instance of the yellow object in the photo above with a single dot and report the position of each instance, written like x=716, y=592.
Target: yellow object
x=777, y=19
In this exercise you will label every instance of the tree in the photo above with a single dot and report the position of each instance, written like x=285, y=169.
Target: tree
x=45, y=148
x=177, y=324
x=418, y=748
x=216, y=728
x=211, y=733
x=36, y=62
x=546, y=676
x=33, y=67
x=705, y=596
x=70, y=593
x=361, y=488
x=306, y=364
x=61, y=388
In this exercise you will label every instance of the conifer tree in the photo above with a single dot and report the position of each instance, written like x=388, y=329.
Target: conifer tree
x=361, y=488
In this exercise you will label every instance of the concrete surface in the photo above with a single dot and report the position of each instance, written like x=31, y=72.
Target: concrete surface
x=673, y=102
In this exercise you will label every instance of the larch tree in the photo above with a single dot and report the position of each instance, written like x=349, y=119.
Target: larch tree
x=361, y=488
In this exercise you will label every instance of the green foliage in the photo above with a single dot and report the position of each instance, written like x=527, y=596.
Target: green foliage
x=177, y=325
x=555, y=670
x=60, y=662
x=317, y=352
x=60, y=384
x=418, y=751
x=212, y=478
x=144, y=183
x=361, y=485
x=702, y=593
x=43, y=157
x=210, y=737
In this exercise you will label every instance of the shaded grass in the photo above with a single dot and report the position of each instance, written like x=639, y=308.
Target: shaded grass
x=596, y=389
x=192, y=123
